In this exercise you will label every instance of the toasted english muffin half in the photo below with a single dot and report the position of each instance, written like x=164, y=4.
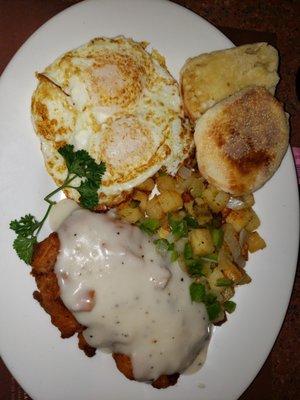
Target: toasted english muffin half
x=211, y=77
x=241, y=141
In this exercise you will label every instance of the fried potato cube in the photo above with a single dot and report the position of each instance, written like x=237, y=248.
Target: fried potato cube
x=129, y=214
x=254, y=223
x=255, y=242
x=147, y=186
x=239, y=218
x=170, y=201
x=220, y=201
x=217, y=200
x=231, y=271
x=195, y=186
x=189, y=207
x=201, y=241
x=234, y=273
x=165, y=182
x=153, y=209
x=202, y=211
x=212, y=280
x=142, y=197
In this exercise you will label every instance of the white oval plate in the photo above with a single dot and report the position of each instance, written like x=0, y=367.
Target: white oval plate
x=50, y=368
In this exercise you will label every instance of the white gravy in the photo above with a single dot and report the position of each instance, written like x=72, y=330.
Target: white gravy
x=127, y=295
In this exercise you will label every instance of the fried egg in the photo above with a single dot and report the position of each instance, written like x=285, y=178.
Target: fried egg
x=118, y=102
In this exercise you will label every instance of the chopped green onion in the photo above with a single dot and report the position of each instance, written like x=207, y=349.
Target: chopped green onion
x=224, y=282
x=188, y=252
x=217, y=237
x=171, y=246
x=229, y=306
x=191, y=222
x=210, y=258
x=149, y=225
x=194, y=267
x=178, y=227
x=213, y=310
x=210, y=298
x=174, y=255
x=197, y=292
x=161, y=244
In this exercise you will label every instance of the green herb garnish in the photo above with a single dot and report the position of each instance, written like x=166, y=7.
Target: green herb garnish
x=229, y=306
x=178, y=227
x=174, y=255
x=188, y=252
x=162, y=244
x=191, y=222
x=217, y=237
x=197, y=292
x=149, y=225
x=210, y=298
x=194, y=267
x=213, y=310
x=80, y=165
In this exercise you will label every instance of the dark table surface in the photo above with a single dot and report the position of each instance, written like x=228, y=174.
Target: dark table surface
x=247, y=21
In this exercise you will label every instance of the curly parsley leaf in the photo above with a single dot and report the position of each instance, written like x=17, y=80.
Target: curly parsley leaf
x=68, y=154
x=24, y=247
x=25, y=226
x=80, y=165
x=88, y=194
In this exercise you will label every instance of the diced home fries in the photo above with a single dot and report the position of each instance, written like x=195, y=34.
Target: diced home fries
x=207, y=230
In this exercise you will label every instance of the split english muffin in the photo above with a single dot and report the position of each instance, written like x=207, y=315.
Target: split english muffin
x=241, y=141
x=211, y=77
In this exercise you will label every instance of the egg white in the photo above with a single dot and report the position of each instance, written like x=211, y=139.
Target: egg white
x=118, y=102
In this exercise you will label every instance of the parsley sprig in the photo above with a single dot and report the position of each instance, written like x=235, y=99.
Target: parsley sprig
x=80, y=165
